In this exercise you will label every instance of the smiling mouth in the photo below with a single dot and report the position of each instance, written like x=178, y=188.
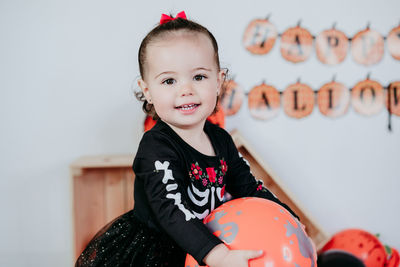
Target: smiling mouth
x=188, y=107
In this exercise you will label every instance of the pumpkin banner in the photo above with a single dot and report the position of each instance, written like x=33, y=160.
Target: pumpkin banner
x=392, y=98
x=231, y=97
x=331, y=46
x=367, y=46
x=333, y=99
x=264, y=102
x=296, y=44
x=368, y=97
x=298, y=100
x=393, y=42
x=260, y=36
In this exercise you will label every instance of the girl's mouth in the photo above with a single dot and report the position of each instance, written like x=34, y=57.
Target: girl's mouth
x=187, y=107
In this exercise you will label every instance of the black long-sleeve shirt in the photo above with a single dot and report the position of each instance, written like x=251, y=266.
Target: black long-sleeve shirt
x=176, y=186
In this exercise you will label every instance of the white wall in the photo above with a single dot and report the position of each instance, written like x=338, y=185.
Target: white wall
x=67, y=72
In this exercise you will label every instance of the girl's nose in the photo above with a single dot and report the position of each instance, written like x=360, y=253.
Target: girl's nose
x=186, y=89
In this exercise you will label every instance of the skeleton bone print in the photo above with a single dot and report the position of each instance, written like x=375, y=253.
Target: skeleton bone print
x=207, y=187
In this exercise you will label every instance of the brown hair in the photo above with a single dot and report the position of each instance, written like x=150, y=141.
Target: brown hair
x=157, y=33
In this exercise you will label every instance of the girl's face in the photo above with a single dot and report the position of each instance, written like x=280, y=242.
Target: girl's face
x=182, y=79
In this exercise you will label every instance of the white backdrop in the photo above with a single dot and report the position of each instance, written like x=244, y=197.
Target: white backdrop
x=67, y=75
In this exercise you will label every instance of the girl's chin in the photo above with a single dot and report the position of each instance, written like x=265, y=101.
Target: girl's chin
x=186, y=123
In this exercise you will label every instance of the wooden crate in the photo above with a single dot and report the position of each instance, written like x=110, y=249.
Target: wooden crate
x=103, y=190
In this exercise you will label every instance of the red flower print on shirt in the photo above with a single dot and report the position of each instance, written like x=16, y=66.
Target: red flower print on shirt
x=196, y=171
x=259, y=187
x=211, y=174
x=224, y=167
x=222, y=191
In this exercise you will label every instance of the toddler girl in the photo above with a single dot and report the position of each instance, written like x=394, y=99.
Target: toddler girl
x=184, y=165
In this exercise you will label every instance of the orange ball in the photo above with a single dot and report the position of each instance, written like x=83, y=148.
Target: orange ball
x=259, y=224
x=359, y=243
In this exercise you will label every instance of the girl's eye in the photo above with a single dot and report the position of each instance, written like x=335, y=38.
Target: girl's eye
x=199, y=77
x=169, y=81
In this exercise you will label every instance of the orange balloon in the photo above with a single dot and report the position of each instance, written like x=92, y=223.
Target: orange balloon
x=260, y=224
x=360, y=244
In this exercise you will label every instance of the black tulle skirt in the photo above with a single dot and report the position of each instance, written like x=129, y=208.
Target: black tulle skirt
x=128, y=242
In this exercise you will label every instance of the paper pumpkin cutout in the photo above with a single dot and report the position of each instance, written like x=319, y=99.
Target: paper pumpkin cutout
x=393, y=42
x=367, y=97
x=264, y=102
x=367, y=47
x=298, y=100
x=149, y=123
x=333, y=99
x=392, y=97
x=232, y=98
x=393, y=258
x=360, y=244
x=260, y=36
x=331, y=46
x=218, y=118
x=296, y=44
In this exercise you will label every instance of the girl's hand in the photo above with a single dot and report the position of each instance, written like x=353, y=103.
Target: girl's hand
x=221, y=256
x=238, y=258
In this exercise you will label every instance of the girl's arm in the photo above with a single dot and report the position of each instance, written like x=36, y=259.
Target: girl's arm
x=240, y=180
x=161, y=172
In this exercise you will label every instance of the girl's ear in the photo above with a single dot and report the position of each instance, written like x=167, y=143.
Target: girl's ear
x=220, y=81
x=145, y=89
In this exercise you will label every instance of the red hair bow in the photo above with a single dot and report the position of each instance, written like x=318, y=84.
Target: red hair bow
x=166, y=18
